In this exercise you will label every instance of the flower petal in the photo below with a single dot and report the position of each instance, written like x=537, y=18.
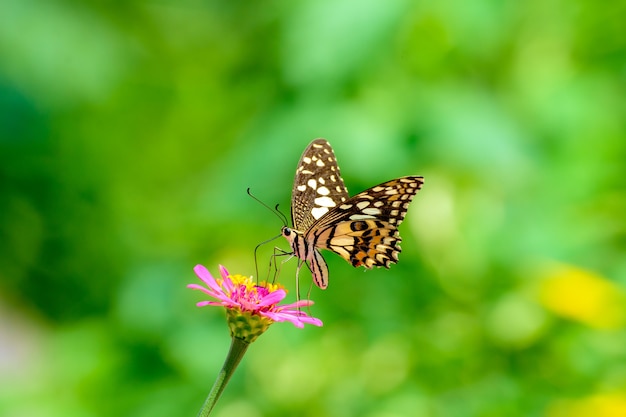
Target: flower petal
x=272, y=298
x=215, y=294
x=282, y=317
x=201, y=288
x=295, y=320
x=224, y=272
x=208, y=303
x=297, y=304
x=207, y=278
x=312, y=320
x=228, y=283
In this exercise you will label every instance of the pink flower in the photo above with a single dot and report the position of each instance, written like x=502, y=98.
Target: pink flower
x=242, y=297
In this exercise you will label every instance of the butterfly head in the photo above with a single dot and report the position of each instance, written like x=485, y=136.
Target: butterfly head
x=292, y=235
x=288, y=233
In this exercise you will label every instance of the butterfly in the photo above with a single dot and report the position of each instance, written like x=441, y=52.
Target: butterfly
x=362, y=229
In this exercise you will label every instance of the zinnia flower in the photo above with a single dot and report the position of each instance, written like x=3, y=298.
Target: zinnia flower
x=250, y=308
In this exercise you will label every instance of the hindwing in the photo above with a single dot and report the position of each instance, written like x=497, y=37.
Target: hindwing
x=364, y=229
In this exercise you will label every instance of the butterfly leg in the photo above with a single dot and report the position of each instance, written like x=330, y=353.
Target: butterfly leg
x=280, y=252
x=298, y=279
x=256, y=264
x=300, y=263
x=277, y=268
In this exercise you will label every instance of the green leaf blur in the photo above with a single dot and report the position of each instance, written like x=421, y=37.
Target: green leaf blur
x=130, y=131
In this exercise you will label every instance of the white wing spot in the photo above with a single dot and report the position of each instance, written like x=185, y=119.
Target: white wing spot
x=319, y=163
x=361, y=217
x=362, y=204
x=306, y=171
x=396, y=204
x=301, y=187
x=378, y=189
x=338, y=188
x=333, y=178
x=325, y=202
x=312, y=183
x=345, y=206
x=371, y=210
x=321, y=180
x=379, y=203
x=391, y=191
x=323, y=190
x=318, y=212
x=394, y=212
x=306, y=160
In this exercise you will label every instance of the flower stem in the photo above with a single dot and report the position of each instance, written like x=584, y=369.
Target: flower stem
x=237, y=349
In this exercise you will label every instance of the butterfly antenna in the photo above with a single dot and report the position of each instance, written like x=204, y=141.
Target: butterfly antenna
x=282, y=215
x=278, y=213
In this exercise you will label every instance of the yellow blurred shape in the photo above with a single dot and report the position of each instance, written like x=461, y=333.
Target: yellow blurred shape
x=601, y=405
x=583, y=296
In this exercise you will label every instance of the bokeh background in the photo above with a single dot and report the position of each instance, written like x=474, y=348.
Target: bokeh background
x=129, y=132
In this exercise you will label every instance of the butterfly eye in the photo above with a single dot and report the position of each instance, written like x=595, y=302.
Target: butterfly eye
x=286, y=231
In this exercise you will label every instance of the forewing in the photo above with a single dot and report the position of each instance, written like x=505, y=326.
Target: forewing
x=318, y=187
x=363, y=229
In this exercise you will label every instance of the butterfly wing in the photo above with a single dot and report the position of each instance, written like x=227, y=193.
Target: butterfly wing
x=317, y=187
x=364, y=229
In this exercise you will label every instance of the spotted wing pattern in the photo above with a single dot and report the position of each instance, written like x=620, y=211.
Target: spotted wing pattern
x=318, y=186
x=361, y=229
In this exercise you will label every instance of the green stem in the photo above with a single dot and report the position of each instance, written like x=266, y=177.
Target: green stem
x=237, y=349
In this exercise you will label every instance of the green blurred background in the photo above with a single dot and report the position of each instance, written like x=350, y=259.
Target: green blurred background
x=129, y=132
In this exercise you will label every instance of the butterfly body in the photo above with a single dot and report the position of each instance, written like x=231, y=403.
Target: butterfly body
x=361, y=229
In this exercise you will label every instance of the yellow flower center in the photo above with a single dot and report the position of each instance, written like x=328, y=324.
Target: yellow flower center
x=251, y=285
